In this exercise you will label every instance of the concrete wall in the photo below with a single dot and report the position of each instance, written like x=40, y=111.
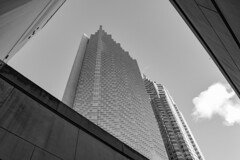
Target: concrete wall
x=36, y=126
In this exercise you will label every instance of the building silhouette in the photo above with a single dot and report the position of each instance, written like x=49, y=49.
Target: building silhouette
x=20, y=20
x=109, y=91
x=178, y=139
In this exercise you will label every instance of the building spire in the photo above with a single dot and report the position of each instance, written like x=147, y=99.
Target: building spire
x=100, y=27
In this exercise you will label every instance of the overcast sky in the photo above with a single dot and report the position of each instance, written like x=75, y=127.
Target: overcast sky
x=166, y=50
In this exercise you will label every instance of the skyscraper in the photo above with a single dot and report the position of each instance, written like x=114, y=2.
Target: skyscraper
x=178, y=139
x=20, y=20
x=110, y=92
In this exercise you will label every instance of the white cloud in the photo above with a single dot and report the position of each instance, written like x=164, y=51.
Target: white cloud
x=218, y=99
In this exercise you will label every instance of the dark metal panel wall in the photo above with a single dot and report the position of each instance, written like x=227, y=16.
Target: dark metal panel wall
x=214, y=23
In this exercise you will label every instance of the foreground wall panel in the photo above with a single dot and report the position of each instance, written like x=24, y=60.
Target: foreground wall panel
x=36, y=126
x=216, y=25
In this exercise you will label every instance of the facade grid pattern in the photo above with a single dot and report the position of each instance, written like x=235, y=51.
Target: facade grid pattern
x=112, y=95
x=177, y=137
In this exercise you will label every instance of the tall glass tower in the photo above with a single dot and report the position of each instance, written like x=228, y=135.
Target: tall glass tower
x=110, y=92
x=22, y=19
x=178, y=139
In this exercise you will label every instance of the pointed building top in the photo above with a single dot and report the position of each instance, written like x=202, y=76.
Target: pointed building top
x=144, y=76
x=100, y=27
x=85, y=35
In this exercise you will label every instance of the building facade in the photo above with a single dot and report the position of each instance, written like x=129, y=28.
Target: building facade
x=22, y=19
x=110, y=92
x=178, y=139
